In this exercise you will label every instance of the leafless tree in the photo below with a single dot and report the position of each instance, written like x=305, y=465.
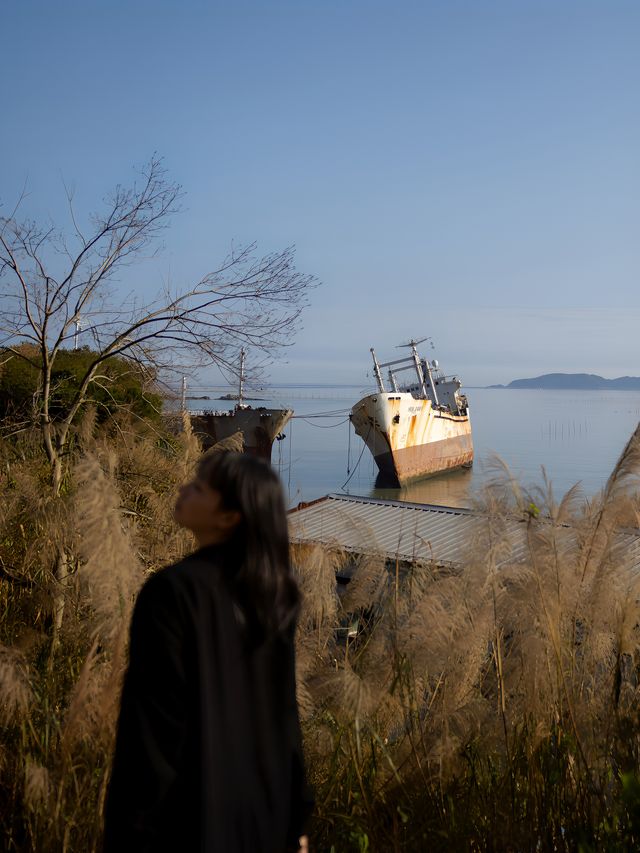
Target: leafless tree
x=52, y=285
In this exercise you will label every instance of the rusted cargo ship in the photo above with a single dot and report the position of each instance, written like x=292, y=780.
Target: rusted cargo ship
x=417, y=428
x=259, y=426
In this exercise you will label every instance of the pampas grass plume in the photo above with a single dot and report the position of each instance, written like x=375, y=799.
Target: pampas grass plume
x=16, y=694
x=37, y=785
x=110, y=568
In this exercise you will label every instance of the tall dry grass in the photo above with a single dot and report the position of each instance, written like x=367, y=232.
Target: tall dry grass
x=493, y=707
x=58, y=702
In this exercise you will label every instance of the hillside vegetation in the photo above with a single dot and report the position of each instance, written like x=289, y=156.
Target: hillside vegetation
x=121, y=383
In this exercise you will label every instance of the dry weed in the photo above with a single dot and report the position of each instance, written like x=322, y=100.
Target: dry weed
x=512, y=683
x=110, y=568
x=16, y=693
x=37, y=785
x=491, y=706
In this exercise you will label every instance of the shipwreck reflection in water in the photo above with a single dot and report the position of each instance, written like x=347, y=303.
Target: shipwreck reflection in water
x=450, y=489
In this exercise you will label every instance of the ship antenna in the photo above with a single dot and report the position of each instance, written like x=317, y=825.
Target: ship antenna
x=413, y=343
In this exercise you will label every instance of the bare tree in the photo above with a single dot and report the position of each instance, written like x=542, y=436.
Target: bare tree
x=51, y=285
x=54, y=284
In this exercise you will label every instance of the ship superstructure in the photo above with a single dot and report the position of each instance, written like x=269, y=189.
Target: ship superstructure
x=416, y=427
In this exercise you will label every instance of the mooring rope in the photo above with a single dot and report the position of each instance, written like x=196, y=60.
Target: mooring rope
x=364, y=445
x=323, y=426
x=334, y=413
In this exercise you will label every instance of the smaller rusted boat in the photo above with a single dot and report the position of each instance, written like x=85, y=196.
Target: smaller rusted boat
x=417, y=428
x=260, y=426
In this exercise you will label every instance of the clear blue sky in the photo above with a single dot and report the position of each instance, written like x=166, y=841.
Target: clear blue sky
x=465, y=170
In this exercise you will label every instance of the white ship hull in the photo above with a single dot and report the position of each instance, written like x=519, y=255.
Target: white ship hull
x=409, y=438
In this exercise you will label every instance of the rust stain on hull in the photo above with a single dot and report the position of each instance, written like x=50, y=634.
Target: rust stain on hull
x=425, y=460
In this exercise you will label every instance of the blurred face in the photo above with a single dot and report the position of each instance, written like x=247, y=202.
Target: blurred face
x=199, y=508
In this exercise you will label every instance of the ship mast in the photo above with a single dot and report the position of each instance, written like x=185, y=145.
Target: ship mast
x=183, y=401
x=420, y=372
x=241, y=377
x=410, y=361
x=418, y=366
x=376, y=370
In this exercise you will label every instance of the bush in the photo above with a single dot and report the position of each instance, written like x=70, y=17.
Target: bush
x=120, y=383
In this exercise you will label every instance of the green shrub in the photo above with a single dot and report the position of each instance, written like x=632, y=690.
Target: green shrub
x=119, y=383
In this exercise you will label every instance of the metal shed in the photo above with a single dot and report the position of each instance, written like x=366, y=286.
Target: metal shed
x=406, y=531
x=415, y=532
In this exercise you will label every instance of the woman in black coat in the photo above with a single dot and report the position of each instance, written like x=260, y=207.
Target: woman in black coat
x=208, y=753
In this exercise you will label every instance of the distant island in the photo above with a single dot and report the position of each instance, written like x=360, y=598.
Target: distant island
x=575, y=382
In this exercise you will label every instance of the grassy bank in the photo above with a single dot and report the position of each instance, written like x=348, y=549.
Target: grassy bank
x=493, y=708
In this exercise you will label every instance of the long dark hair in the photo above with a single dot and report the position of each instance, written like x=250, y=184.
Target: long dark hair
x=266, y=589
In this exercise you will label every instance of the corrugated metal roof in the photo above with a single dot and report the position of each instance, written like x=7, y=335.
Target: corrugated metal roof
x=413, y=532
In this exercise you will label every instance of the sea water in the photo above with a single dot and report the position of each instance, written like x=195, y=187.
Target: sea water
x=577, y=436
